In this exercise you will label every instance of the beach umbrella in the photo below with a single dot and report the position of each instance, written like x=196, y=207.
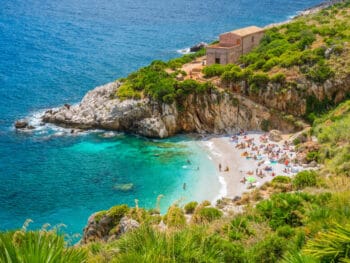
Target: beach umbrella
x=251, y=179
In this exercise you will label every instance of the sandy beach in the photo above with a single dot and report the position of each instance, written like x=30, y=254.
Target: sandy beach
x=238, y=163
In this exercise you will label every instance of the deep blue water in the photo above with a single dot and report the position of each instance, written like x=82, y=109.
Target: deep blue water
x=51, y=53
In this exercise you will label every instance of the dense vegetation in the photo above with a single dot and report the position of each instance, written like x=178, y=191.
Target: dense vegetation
x=309, y=48
x=304, y=219
x=312, y=48
x=160, y=81
x=49, y=246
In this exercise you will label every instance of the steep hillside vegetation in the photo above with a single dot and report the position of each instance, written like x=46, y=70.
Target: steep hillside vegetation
x=304, y=219
x=301, y=67
x=300, y=219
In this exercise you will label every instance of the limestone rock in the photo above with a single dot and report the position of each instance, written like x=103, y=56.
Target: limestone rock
x=313, y=164
x=197, y=47
x=215, y=112
x=105, y=229
x=275, y=135
x=300, y=137
x=304, y=149
x=127, y=224
x=21, y=124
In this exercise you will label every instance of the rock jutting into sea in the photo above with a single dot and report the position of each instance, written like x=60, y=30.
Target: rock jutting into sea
x=217, y=112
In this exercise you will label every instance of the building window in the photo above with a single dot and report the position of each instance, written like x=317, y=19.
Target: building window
x=253, y=39
x=238, y=41
x=217, y=60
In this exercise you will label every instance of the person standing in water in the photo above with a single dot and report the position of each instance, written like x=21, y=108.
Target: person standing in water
x=184, y=186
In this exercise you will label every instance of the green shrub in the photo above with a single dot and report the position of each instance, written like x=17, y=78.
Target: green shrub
x=279, y=78
x=281, y=179
x=312, y=156
x=38, y=246
x=213, y=70
x=320, y=72
x=270, y=64
x=269, y=250
x=285, y=231
x=315, y=107
x=265, y=125
x=178, y=62
x=190, y=207
x=188, y=245
x=234, y=75
x=307, y=38
x=141, y=215
x=175, y=217
x=296, y=257
x=99, y=215
x=305, y=179
x=283, y=209
x=155, y=82
x=125, y=91
x=206, y=214
x=205, y=203
x=117, y=212
x=296, y=141
x=291, y=58
x=331, y=246
x=217, y=70
x=259, y=80
x=239, y=228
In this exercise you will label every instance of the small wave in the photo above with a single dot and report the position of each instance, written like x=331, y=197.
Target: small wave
x=223, y=189
x=47, y=130
x=184, y=51
x=109, y=134
x=210, y=146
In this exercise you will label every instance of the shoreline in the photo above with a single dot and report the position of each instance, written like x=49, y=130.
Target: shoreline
x=308, y=11
x=223, y=151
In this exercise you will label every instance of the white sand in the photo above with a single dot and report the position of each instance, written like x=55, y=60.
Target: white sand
x=223, y=151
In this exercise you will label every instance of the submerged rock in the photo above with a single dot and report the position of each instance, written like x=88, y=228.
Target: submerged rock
x=124, y=187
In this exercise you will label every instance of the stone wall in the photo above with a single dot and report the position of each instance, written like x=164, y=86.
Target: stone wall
x=226, y=55
x=229, y=40
x=251, y=41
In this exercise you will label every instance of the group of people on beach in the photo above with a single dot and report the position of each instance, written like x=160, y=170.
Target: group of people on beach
x=270, y=158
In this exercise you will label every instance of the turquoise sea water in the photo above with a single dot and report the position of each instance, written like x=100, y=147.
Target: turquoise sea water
x=51, y=53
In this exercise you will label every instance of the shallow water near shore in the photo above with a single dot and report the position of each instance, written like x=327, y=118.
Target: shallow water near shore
x=102, y=172
x=53, y=52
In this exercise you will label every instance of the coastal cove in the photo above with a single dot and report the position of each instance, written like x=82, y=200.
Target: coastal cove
x=116, y=168
x=55, y=55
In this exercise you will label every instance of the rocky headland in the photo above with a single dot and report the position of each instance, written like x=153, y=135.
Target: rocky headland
x=229, y=106
x=216, y=112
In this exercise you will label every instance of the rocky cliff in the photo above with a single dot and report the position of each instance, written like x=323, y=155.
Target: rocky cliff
x=215, y=112
x=299, y=97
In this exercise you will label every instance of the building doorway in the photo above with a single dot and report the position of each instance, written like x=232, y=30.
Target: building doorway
x=217, y=60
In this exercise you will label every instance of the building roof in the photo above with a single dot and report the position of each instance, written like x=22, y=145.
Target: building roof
x=247, y=31
x=223, y=47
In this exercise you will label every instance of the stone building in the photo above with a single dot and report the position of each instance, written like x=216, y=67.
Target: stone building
x=234, y=44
